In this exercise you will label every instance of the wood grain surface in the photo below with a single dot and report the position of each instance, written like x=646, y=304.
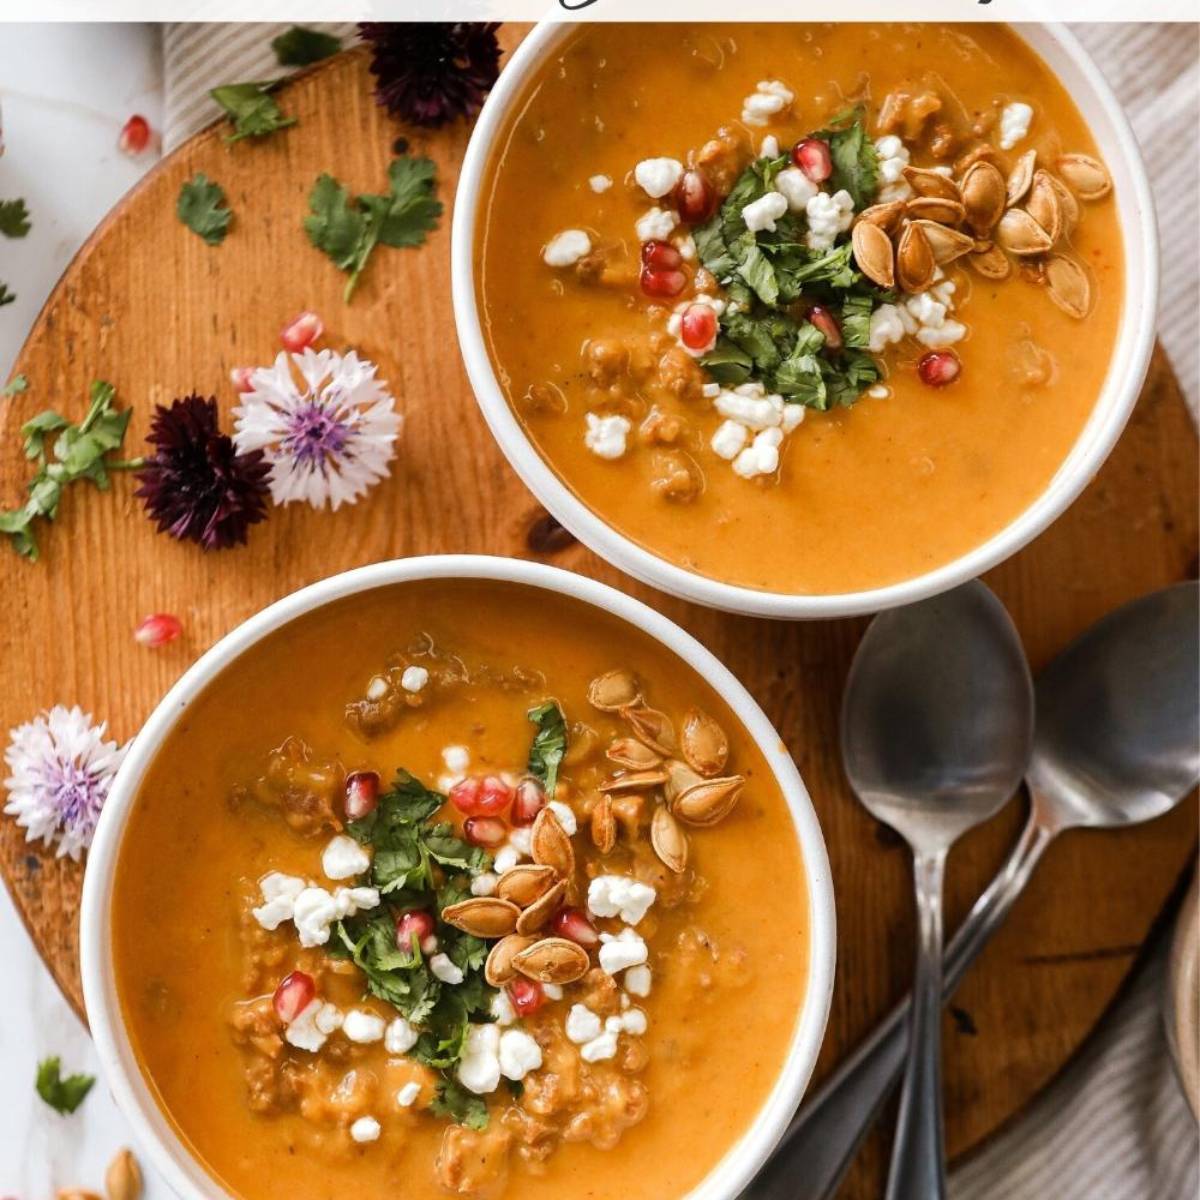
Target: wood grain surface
x=149, y=306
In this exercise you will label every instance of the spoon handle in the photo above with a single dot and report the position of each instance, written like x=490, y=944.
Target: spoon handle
x=821, y=1142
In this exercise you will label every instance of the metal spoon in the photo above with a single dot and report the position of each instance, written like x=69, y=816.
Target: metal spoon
x=1115, y=743
x=937, y=723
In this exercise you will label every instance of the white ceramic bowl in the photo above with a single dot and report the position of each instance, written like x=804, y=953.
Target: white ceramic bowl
x=1130, y=355
x=118, y=1064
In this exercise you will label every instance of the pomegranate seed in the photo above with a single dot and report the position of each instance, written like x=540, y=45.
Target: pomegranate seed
x=572, y=923
x=526, y=996
x=464, y=795
x=694, y=197
x=938, y=368
x=361, y=794
x=158, y=630
x=494, y=795
x=661, y=256
x=240, y=376
x=528, y=802
x=698, y=327
x=812, y=156
x=413, y=928
x=485, y=831
x=662, y=283
x=294, y=995
x=135, y=136
x=301, y=331
x=827, y=323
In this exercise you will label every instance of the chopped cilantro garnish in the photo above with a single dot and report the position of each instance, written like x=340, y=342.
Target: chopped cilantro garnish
x=855, y=162
x=16, y=385
x=549, y=743
x=14, y=218
x=63, y=1095
x=300, y=47
x=202, y=209
x=463, y=1107
x=251, y=108
x=349, y=228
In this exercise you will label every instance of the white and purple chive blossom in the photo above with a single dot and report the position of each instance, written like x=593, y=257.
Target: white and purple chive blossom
x=328, y=441
x=61, y=769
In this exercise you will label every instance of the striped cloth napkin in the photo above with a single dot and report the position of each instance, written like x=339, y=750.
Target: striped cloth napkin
x=1115, y=1125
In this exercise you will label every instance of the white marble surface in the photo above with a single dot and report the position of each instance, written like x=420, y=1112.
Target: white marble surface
x=65, y=92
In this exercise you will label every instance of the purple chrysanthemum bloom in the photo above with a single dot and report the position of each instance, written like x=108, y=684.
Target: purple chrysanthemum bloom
x=62, y=768
x=196, y=485
x=430, y=72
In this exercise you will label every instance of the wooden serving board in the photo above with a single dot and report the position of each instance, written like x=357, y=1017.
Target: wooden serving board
x=149, y=306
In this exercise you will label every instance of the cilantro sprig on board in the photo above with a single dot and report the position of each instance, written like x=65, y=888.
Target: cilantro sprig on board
x=252, y=110
x=203, y=209
x=64, y=1095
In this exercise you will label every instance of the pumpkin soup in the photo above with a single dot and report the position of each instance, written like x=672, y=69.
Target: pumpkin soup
x=809, y=309
x=454, y=888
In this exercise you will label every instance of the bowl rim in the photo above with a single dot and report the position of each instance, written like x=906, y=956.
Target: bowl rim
x=172, y=1157
x=1128, y=364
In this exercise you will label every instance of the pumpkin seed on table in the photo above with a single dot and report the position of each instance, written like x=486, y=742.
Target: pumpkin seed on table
x=709, y=802
x=499, y=969
x=123, y=1179
x=668, y=840
x=483, y=916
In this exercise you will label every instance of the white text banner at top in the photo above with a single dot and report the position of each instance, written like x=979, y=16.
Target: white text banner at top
x=608, y=10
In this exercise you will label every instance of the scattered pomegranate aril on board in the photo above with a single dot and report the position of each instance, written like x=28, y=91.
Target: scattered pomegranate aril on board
x=661, y=255
x=526, y=996
x=361, y=794
x=300, y=332
x=662, y=283
x=812, y=156
x=572, y=923
x=939, y=368
x=240, y=378
x=293, y=995
x=412, y=928
x=528, y=801
x=158, y=630
x=135, y=136
x=827, y=323
x=694, y=197
x=485, y=831
x=698, y=327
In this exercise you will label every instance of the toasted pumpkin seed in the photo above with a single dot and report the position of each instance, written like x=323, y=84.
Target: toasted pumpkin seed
x=637, y=781
x=983, y=195
x=1086, y=176
x=1021, y=178
x=553, y=960
x=1044, y=206
x=932, y=185
x=652, y=727
x=542, y=909
x=634, y=755
x=991, y=262
x=914, y=260
x=604, y=825
x=703, y=742
x=669, y=840
x=123, y=1179
x=1020, y=234
x=614, y=690
x=523, y=884
x=884, y=215
x=946, y=244
x=499, y=969
x=1068, y=285
x=680, y=777
x=483, y=916
x=873, y=252
x=710, y=801
x=550, y=845
x=932, y=208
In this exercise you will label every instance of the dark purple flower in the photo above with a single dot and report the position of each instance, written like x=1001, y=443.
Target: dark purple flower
x=196, y=486
x=430, y=72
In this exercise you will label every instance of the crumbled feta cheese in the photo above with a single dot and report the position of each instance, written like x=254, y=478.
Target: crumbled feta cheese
x=315, y=910
x=348, y=901
x=618, y=951
x=657, y=176
x=364, y=1027
x=638, y=980
x=827, y=217
x=279, y=894
x=793, y=415
x=445, y=970
x=329, y=1019
x=506, y=858
x=565, y=815
x=377, y=688
x=519, y=1054
x=479, y=1067
x=769, y=147
x=686, y=246
x=892, y=155
x=365, y=1129
x=768, y=99
x=414, y=679
x=502, y=1010
x=457, y=759
x=749, y=405
x=926, y=309
x=930, y=313
x=945, y=334
x=886, y=328
x=303, y=1032
x=729, y=439
x=400, y=1037
x=761, y=457
x=879, y=391
x=620, y=895
x=582, y=1024
x=600, y=183
x=710, y=391
x=484, y=884
x=566, y=248
x=656, y=225
x=552, y=991
x=344, y=858
x=796, y=187
x=406, y=1097
x=762, y=213
x=605, y=436
x=599, y=1048
x=521, y=839
x=632, y=1020
x=1014, y=124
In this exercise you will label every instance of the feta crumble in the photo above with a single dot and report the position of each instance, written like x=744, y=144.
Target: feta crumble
x=1014, y=124
x=600, y=183
x=599, y=1048
x=484, y=884
x=406, y=1097
x=605, y=436
x=479, y=1067
x=762, y=213
x=769, y=147
x=582, y=1024
x=364, y=1027
x=620, y=895
x=414, y=679
x=445, y=970
x=827, y=217
x=343, y=858
x=457, y=759
x=330, y=1019
x=400, y=1037
x=566, y=248
x=365, y=1129
x=657, y=176
x=638, y=980
x=279, y=894
x=519, y=1054
x=303, y=1031
x=565, y=815
x=893, y=157
x=792, y=183
x=761, y=457
x=768, y=99
x=502, y=1010
x=656, y=225
x=315, y=910
x=506, y=858
x=728, y=440
x=621, y=950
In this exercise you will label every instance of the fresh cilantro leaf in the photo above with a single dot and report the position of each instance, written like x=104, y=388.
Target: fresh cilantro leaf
x=728, y=363
x=16, y=385
x=301, y=47
x=6, y=297
x=349, y=228
x=252, y=109
x=14, y=218
x=855, y=161
x=856, y=321
x=63, y=1095
x=756, y=269
x=463, y=1107
x=549, y=743
x=200, y=209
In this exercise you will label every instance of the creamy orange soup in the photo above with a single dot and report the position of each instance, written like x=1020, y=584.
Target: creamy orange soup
x=595, y=1003
x=620, y=206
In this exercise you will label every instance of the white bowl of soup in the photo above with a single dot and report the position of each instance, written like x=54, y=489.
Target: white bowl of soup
x=458, y=876
x=804, y=321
